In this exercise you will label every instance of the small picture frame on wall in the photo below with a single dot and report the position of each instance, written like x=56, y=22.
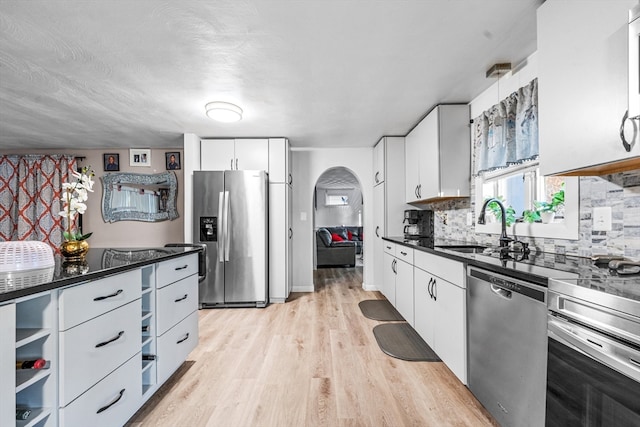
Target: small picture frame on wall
x=111, y=162
x=172, y=160
x=139, y=157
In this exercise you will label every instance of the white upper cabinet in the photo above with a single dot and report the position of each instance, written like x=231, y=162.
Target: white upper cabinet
x=438, y=155
x=582, y=84
x=378, y=162
x=234, y=154
x=280, y=161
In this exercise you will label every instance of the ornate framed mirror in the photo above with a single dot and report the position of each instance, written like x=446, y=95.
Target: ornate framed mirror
x=139, y=197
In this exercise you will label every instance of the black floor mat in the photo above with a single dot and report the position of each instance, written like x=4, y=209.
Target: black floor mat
x=401, y=341
x=379, y=309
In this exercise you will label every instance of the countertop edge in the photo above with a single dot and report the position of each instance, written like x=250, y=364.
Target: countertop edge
x=470, y=259
x=94, y=275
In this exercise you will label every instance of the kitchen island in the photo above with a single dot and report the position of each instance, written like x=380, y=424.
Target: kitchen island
x=110, y=329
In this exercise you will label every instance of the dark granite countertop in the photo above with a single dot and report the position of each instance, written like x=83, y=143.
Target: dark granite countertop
x=537, y=267
x=99, y=263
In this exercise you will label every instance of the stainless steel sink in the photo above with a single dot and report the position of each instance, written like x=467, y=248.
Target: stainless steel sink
x=466, y=249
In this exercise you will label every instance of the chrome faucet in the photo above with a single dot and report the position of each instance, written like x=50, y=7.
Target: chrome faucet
x=504, y=240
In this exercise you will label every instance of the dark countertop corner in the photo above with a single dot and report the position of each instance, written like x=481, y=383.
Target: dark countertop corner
x=99, y=263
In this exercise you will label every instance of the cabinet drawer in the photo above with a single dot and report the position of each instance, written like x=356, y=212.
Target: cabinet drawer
x=175, y=345
x=86, y=301
x=447, y=269
x=109, y=403
x=405, y=254
x=175, y=302
x=173, y=270
x=90, y=351
x=389, y=248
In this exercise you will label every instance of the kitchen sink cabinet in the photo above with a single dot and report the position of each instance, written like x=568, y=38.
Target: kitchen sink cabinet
x=582, y=80
x=438, y=155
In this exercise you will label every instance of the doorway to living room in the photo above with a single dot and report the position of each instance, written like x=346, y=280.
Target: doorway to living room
x=338, y=220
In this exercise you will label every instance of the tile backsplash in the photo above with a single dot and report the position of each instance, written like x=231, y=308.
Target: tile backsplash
x=620, y=191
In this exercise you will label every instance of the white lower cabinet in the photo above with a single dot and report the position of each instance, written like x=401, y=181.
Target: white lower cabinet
x=110, y=402
x=175, y=302
x=175, y=345
x=398, y=278
x=404, y=283
x=94, y=349
x=440, y=309
x=389, y=277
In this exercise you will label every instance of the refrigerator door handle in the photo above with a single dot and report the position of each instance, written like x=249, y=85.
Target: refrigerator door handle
x=221, y=223
x=227, y=238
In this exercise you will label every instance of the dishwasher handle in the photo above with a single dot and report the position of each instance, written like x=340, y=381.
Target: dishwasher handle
x=503, y=293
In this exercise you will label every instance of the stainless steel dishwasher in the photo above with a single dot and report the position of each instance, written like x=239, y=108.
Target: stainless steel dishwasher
x=507, y=342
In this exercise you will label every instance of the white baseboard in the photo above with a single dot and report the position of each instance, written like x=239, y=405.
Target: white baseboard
x=308, y=288
x=369, y=288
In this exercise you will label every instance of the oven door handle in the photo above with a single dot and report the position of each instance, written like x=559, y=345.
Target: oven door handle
x=599, y=348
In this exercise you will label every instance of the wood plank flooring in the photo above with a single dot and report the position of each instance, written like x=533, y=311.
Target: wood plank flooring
x=312, y=361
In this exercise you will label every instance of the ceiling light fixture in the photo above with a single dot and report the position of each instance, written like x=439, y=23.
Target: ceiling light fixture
x=499, y=69
x=223, y=111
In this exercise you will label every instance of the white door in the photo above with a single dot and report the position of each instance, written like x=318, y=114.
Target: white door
x=429, y=156
x=404, y=291
x=278, y=242
x=216, y=154
x=389, y=278
x=378, y=162
x=379, y=228
x=424, y=307
x=412, y=165
x=279, y=155
x=450, y=331
x=252, y=154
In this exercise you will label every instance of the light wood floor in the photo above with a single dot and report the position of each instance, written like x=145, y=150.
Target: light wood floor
x=310, y=362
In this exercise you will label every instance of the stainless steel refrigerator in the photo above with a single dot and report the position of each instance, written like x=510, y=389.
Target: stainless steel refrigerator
x=231, y=218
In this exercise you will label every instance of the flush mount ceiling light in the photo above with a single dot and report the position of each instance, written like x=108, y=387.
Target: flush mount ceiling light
x=223, y=111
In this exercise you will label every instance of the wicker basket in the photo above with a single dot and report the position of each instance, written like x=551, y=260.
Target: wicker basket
x=25, y=255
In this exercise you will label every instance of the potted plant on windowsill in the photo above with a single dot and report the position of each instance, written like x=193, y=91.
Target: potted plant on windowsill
x=545, y=211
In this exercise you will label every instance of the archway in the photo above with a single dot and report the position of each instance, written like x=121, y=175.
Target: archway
x=338, y=211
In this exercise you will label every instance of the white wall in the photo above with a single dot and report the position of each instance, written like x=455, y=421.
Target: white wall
x=308, y=165
x=327, y=216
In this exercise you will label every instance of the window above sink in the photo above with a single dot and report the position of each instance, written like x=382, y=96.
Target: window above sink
x=519, y=186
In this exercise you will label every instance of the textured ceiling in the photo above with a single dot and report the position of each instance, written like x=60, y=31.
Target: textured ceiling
x=332, y=73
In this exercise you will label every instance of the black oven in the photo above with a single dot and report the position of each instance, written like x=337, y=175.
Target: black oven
x=593, y=365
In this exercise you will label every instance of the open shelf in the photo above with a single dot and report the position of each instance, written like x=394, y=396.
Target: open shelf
x=28, y=377
x=37, y=415
x=146, y=340
x=25, y=336
x=146, y=315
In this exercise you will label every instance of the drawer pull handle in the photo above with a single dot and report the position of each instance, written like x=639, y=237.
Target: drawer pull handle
x=183, y=339
x=403, y=253
x=182, y=299
x=115, y=294
x=181, y=268
x=102, y=344
x=116, y=400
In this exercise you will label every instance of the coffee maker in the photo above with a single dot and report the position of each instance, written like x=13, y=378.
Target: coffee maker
x=418, y=224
